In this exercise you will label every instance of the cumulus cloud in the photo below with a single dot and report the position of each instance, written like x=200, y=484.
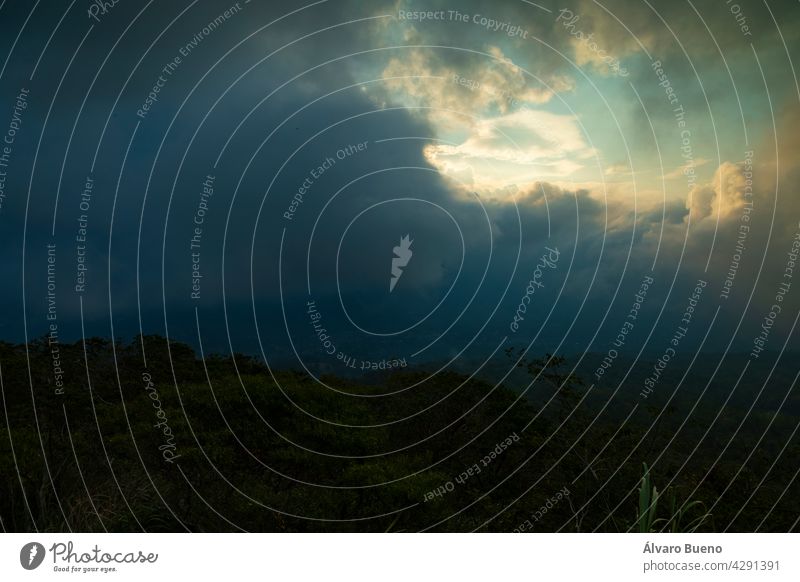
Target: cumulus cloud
x=483, y=126
x=517, y=148
x=722, y=198
x=458, y=93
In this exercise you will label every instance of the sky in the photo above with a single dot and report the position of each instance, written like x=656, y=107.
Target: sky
x=254, y=166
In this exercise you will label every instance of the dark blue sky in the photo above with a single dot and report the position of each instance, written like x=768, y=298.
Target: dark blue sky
x=543, y=146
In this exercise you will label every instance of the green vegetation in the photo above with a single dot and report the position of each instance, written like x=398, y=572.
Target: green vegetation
x=245, y=449
x=677, y=515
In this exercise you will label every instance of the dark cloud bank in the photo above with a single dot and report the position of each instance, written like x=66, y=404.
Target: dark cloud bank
x=281, y=119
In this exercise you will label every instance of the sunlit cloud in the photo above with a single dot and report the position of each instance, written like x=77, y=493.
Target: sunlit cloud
x=453, y=97
x=515, y=149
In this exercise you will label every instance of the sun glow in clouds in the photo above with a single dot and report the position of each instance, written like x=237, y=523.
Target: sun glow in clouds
x=493, y=132
x=493, y=124
x=513, y=149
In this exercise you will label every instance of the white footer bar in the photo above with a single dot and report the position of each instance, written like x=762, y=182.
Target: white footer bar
x=400, y=557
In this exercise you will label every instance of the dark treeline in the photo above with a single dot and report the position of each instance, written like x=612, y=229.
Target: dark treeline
x=225, y=444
